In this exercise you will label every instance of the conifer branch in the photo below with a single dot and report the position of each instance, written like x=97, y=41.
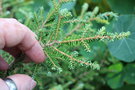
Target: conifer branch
x=86, y=46
x=72, y=58
x=64, y=1
x=48, y=25
x=58, y=27
x=76, y=21
x=51, y=36
x=85, y=43
x=88, y=38
x=50, y=59
x=48, y=17
x=77, y=40
x=77, y=26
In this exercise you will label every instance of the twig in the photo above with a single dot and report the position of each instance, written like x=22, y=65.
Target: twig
x=77, y=26
x=51, y=59
x=88, y=38
x=76, y=40
x=58, y=26
x=71, y=57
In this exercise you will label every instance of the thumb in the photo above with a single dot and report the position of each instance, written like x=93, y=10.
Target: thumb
x=23, y=82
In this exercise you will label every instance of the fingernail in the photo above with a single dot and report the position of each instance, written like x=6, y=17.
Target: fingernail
x=33, y=84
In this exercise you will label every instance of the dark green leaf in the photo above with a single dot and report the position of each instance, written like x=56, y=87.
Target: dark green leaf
x=115, y=80
x=122, y=6
x=123, y=49
x=129, y=74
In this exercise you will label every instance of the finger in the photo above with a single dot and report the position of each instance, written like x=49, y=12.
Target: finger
x=3, y=64
x=12, y=32
x=32, y=48
x=22, y=37
x=23, y=82
x=3, y=85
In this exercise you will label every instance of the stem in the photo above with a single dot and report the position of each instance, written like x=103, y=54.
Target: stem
x=71, y=57
x=50, y=59
x=49, y=25
x=58, y=26
x=77, y=40
x=61, y=1
x=75, y=21
x=77, y=26
x=88, y=38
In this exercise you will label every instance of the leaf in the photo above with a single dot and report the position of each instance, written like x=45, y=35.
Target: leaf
x=122, y=6
x=115, y=80
x=123, y=49
x=116, y=67
x=129, y=74
x=127, y=87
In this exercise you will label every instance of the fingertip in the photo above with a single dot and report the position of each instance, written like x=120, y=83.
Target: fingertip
x=36, y=53
x=4, y=67
x=3, y=64
x=33, y=84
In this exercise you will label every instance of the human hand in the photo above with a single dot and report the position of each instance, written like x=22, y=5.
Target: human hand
x=16, y=38
x=23, y=82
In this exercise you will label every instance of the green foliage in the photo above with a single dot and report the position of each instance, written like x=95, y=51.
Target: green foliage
x=123, y=49
x=117, y=79
x=126, y=87
x=76, y=45
x=114, y=80
x=129, y=74
x=96, y=0
x=58, y=41
x=122, y=6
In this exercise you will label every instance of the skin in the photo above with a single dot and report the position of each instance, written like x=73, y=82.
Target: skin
x=16, y=38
